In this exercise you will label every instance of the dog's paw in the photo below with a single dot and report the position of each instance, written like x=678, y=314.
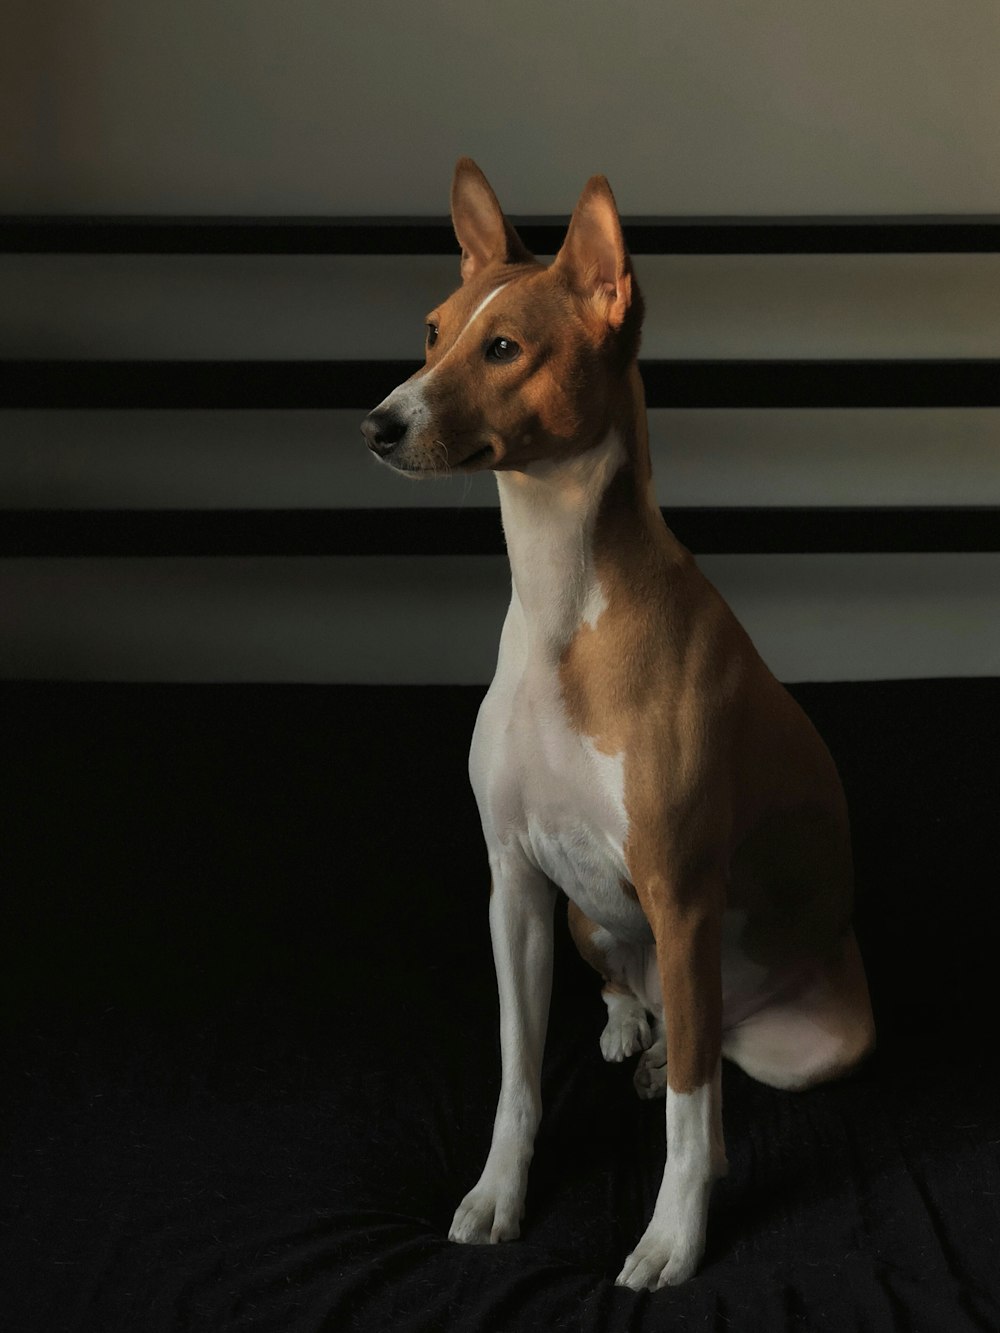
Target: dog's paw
x=650, y=1077
x=488, y=1214
x=626, y=1033
x=661, y=1259
x=672, y=1245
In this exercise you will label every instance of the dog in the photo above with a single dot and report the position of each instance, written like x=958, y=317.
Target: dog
x=633, y=750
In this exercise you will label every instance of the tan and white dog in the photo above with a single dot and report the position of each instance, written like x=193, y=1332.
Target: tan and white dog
x=633, y=750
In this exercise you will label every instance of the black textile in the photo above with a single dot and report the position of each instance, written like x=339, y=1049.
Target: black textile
x=250, y=1056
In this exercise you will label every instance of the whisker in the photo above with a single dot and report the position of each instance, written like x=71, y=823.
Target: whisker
x=442, y=448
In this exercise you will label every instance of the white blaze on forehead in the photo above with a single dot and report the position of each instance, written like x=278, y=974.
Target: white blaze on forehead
x=467, y=325
x=409, y=398
x=482, y=306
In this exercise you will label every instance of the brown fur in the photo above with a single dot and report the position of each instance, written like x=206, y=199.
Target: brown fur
x=558, y=398
x=582, y=929
x=731, y=796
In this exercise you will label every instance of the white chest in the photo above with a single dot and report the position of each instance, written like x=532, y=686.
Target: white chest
x=550, y=793
x=545, y=792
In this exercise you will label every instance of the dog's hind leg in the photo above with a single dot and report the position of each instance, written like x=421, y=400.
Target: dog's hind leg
x=627, y=1030
x=818, y=1034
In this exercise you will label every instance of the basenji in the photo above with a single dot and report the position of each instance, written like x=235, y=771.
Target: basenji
x=633, y=749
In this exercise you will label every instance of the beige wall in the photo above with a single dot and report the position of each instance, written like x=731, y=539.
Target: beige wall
x=344, y=106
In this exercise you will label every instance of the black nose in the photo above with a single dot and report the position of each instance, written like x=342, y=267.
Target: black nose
x=383, y=430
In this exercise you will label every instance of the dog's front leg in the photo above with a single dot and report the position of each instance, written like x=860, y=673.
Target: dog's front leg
x=687, y=932
x=521, y=910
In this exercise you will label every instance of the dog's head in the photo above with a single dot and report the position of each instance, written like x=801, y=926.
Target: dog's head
x=523, y=362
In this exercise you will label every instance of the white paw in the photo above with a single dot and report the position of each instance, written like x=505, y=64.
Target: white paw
x=488, y=1214
x=627, y=1032
x=661, y=1259
x=672, y=1245
x=650, y=1077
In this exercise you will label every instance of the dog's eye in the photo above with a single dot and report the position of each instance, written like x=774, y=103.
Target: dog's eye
x=432, y=334
x=503, y=349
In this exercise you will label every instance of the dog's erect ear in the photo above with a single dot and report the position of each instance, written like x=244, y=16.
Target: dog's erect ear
x=483, y=232
x=593, y=255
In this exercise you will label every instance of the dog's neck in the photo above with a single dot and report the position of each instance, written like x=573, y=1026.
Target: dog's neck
x=550, y=510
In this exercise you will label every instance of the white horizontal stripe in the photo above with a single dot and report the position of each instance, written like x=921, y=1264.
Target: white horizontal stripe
x=393, y=620
x=369, y=307
x=289, y=459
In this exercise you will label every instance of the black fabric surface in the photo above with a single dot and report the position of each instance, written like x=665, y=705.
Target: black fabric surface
x=250, y=1057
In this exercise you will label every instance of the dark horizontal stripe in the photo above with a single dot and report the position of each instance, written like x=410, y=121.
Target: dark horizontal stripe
x=361, y=384
x=543, y=235
x=458, y=531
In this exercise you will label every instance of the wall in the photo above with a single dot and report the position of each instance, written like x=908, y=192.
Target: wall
x=330, y=106
x=705, y=107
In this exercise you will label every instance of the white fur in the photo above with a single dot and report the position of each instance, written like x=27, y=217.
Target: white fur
x=542, y=787
x=594, y=606
x=521, y=906
x=553, y=810
x=548, y=514
x=627, y=1031
x=674, y=1241
x=551, y=804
